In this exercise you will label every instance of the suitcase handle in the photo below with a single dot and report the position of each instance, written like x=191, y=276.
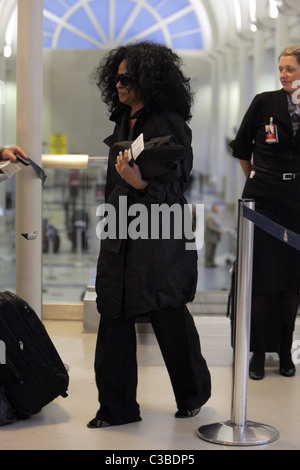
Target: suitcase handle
x=15, y=371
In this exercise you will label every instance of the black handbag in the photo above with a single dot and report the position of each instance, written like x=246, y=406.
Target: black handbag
x=160, y=158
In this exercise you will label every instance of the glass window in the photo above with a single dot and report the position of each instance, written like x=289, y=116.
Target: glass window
x=102, y=24
x=70, y=242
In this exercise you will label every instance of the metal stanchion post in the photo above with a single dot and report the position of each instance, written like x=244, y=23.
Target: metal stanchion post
x=50, y=235
x=238, y=431
x=51, y=276
x=80, y=226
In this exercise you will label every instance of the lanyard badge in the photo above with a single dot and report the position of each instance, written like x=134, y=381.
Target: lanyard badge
x=271, y=132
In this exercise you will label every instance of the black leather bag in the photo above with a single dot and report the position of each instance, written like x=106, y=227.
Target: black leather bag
x=160, y=158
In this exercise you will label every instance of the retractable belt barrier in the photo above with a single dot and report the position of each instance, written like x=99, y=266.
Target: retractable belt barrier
x=39, y=171
x=238, y=431
x=282, y=233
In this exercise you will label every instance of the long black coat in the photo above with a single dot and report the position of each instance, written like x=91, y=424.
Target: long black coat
x=136, y=276
x=276, y=265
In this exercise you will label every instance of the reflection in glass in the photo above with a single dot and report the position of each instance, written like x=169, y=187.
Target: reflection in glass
x=70, y=244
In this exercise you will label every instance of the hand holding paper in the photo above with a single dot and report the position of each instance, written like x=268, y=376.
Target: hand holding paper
x=136, y=147
x=131, y=173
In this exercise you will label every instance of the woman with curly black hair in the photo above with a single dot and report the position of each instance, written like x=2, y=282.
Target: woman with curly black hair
x=137, y=274
x=155, y=71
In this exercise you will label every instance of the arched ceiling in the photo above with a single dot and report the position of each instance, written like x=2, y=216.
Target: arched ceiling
x=105, y=24
x=185, y=25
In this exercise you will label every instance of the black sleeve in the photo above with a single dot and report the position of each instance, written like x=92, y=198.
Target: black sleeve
x=173, y=124
x=243, y=145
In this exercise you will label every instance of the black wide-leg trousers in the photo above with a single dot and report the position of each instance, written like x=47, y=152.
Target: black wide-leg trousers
x=116, y=363
x=273, y=316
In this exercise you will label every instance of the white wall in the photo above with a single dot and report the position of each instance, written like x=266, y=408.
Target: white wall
x=10, y=107
x=73, y=106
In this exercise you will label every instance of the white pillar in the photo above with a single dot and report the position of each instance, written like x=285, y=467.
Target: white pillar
x=2, y=139
x=29, y=137
x=2, y=101
x=231, y=124
x=245, y=90
x=281, y=34
x=281, y=39
x=213, y=119
x=258, y=61
x=220, y=124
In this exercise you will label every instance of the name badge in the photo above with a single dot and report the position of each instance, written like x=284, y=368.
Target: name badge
x=271, y=132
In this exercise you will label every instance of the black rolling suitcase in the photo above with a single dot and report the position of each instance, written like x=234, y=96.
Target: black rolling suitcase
x=32, y=373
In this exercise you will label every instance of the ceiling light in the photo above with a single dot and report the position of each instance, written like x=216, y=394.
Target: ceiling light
x=273, y=8
x=7, y=50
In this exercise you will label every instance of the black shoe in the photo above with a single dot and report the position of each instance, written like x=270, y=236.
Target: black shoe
x=287, y=367
x=256, y=375
x=97, y=423
x=187, y=413
x=287, y=372
x=257, y=367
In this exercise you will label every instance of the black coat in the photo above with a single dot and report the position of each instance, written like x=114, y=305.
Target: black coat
x=276, y=265
x=136, y=276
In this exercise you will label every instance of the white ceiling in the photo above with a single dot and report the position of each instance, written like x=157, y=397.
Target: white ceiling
x=189, y=25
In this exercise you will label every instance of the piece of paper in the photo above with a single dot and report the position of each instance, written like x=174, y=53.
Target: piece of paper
x=9, y=168
x=136, y=147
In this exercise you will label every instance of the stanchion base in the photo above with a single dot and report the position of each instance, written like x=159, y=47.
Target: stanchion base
x=227, y=433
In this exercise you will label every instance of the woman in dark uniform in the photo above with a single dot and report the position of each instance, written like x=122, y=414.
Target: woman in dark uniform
x=268, y=147
x=147, y=93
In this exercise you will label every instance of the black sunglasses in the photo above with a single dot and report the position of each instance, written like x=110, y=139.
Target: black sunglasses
x=124, y=78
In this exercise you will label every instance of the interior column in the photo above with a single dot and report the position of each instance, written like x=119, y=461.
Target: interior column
x=29, y=125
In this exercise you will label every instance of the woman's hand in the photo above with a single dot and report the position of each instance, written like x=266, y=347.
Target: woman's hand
x=9, y=153
x=131, y=174
x=246, y=167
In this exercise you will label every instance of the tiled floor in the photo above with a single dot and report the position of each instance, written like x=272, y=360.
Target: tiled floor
x=61, y=425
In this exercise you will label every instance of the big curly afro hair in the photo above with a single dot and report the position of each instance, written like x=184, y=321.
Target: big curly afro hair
x=155, y=71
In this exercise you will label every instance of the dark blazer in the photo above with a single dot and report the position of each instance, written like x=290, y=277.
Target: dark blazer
x=283, y=156
x=136, y=276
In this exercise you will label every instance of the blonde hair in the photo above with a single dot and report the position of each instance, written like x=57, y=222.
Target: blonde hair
x=291, y=51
